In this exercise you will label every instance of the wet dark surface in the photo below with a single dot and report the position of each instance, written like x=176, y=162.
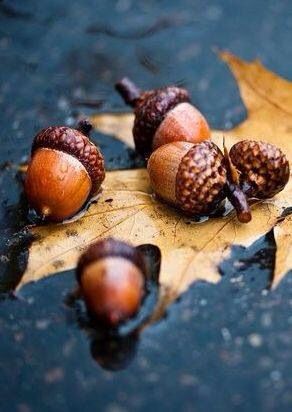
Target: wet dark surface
x=224, y=347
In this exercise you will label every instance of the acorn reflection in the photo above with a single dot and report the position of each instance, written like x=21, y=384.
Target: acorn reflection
x=114, y=352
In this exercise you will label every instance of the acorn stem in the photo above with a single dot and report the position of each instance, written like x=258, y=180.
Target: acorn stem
x=239, y=201
x=234, y=193
x=129, y=91
x=84, y=126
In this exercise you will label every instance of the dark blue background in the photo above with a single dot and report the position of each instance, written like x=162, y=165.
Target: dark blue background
x=220, y=348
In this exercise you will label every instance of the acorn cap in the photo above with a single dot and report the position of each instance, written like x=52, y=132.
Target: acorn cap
x=263, y=167
x=110, y=248
x=75, y=143
x=201, y=178
x=150, y=110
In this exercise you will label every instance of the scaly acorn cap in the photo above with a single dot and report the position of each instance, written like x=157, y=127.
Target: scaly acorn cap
x=263, y=167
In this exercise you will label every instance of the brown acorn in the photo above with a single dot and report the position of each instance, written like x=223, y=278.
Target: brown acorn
x=163, y=116
x=64, y=171
x=191, y=177
x=263, y=168
x=111, y=275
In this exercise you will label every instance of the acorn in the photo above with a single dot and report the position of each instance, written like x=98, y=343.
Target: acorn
x=162, y=116
x=65, y=170
x=111, y=276
x=263, y=168
x=192, y=177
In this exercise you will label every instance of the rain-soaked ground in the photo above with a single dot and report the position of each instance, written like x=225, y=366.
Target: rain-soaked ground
x=220, y=348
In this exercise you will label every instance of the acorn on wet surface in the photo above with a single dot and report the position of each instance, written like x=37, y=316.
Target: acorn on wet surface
x=111, y=276
x=263, y=168
x=65, y=170
x=162, y=116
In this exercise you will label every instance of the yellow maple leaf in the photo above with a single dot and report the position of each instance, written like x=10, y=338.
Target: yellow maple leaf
x=189, y=251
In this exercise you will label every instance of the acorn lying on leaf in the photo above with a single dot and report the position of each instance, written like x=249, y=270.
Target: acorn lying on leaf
x=162, y=116
x=64, y=171
x=197, y=177
x=191, y=177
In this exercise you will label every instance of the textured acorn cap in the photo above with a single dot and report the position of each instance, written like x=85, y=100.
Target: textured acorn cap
x=264, y=168
x=201, y=178
x=190, y=176
x=73, y=142
x=110, y=248
x=150, y=110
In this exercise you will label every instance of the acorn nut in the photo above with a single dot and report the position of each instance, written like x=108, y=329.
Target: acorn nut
x=64, y=171
x=191, y=177
x=162, y=116
x=263, y=168
x=111, y=275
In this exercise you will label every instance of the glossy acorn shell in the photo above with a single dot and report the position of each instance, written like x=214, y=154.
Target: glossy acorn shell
x=61, y=188
x=183, y=123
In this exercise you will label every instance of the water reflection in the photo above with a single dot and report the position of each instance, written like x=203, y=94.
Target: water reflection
x=114, y=352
